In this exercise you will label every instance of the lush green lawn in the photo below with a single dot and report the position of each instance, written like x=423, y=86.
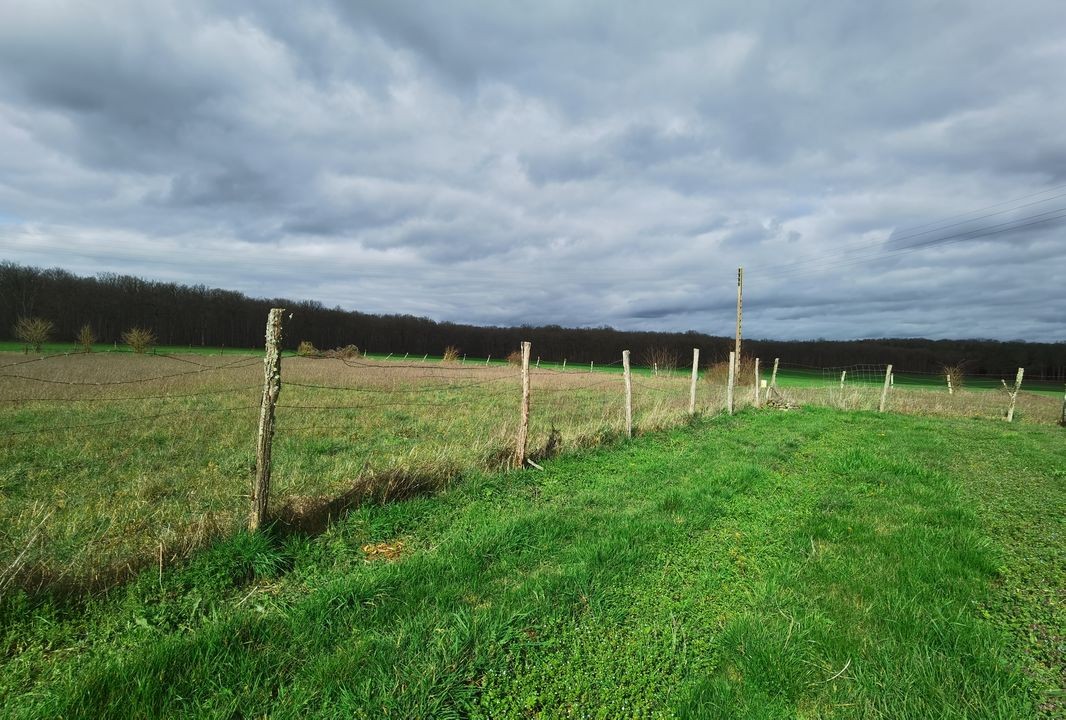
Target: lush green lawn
x=808, y=563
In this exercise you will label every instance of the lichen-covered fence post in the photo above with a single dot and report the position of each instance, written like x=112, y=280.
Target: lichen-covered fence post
x=884, y=390
x=732, y=378
x=755, y=395
x=271, y=390
x=692, y=385
x=1014, y=394
x=523, y=417
x=629, y=393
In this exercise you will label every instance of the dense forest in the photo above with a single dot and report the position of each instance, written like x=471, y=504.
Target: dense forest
x=198, y=315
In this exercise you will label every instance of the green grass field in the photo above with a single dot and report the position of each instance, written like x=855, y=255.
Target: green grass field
x=810, y=563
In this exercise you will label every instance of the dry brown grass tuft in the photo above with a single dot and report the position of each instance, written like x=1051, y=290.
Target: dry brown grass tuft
x=451, y=354
x=718, y=373
x=306, y=348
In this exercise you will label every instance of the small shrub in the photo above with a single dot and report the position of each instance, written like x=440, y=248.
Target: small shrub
x=663, y=358
x=86, y=338
x=139, y=339
x=955, y=372
x=718, y=373
x=515, y=358
x=34, y=331
x=348, y=352
x=306, y=348
x=451, y=354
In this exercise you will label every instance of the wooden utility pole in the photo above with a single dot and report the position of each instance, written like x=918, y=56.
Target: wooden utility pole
x=1014, y=394
x=629, y=393
x=740, y=303
x=729, y=387
x=692, y=386
x=523, y=417
x=884, y=390
x=265, y=438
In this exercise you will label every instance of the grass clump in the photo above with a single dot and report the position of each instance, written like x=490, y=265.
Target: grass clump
x=451, y=354
x=86, y=338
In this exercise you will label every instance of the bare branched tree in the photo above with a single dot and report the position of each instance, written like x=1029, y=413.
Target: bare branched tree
x=86, y=338
x=139, y=339
x=34, y=331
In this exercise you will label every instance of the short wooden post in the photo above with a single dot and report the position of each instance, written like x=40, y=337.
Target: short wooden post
x=265, y=438
x=405, y=355
x=591, y=363
x=1014, y=394
x=732, y=377
x=564, y=363
x=655, y=369
x=843, y=374
x=884, y=390
x=388, y=356
x=538, y=362
x=523, y=417
x=773, y=378
x=487, y=359
x=464, y=359
x=629, y=393
x=692, y=385
x=755, y=394
x=424, y=357
x=951, y=390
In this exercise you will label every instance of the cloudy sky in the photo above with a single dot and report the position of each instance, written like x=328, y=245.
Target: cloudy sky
x=879, y=169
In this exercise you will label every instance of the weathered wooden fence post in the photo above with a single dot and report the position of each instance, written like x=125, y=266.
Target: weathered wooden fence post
x=692, y=385
x=755, y=396
x=591, y=363
x=264, y=441
x=1014, y=394
x=951, y=390
x=843, y=374
x=523, y=418
x=773, y=378
x=884, y=390
x=732, y=377
x=629, y=393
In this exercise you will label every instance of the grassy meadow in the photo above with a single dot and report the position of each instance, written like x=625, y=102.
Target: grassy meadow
x=774, y=564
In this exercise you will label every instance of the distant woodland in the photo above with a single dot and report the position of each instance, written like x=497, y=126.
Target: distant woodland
x=198, y=315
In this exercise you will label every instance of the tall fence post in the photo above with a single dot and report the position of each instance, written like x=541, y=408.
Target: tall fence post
x=1014, y=394
x=265, y=438
x=773, y=378
x=951, y=390
x=692, y=385
x=843, y=374
x=732, y=377
x=523, y=418
x=755, y=396
x=629, y=393
x=884, y=390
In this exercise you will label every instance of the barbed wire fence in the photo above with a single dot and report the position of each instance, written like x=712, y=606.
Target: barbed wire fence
x=346, y=428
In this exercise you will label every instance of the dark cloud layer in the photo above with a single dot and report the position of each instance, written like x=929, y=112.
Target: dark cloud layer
x=581, y=164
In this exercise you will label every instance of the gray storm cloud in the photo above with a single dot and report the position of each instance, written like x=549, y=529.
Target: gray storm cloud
x=571, y=163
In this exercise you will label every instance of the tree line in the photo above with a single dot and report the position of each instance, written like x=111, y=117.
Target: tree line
x=195, y=315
